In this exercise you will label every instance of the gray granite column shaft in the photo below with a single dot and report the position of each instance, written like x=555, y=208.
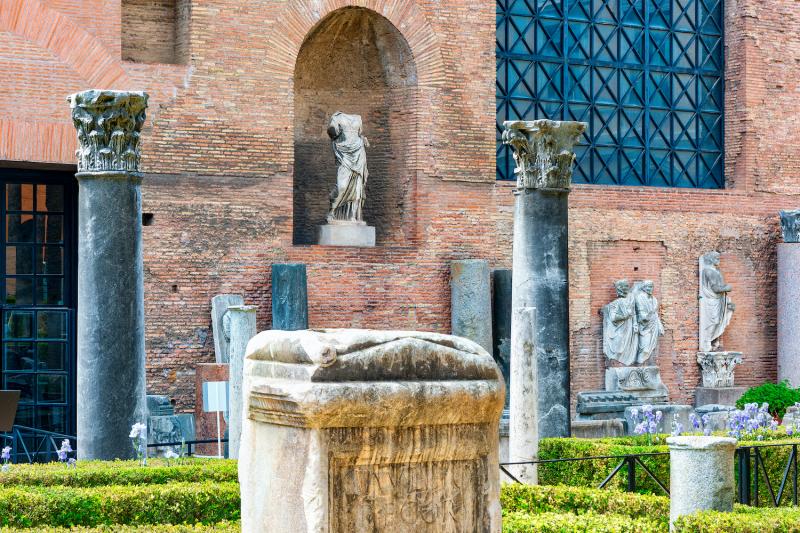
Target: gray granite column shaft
x=289, y=296
x=789, y=312
x=243, y=328
x=111, y=359
x=700, y=475
x=544, y=157
x=501, y=324
x=470, y=301
x=523, y=435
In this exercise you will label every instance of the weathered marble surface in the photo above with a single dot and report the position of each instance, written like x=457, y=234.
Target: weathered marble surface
x=718, y=395
x=523, y=436
x=598, y=429
x=602, y=405
x=346, y=234
x=790, y=226
x=543, y=151
x=718, y=367
x=701, y=475
x=289, y=296
x=110, y=329
x=501, y=325
x=169, y=428
x=220, y=324
x=789, y=312
x=631, y=323
x=644, y=382
x=243, y=328
x=716, y=307
x=349, y=149
x=470, y=301
x=358, y=430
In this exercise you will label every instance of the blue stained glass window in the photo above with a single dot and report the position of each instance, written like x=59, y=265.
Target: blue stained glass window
x=646, y=75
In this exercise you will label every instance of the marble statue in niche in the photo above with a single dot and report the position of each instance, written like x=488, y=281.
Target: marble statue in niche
x=631, y=324
x=716, y=307
x=620, y=340
x=650, y=327
x=349, y=148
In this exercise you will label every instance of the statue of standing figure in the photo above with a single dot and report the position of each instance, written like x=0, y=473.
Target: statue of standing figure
x=631, y=324
x=716, y=307
x=349, y=148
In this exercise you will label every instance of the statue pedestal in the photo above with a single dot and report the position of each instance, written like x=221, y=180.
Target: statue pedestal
x=717, y=395
x=346, y=234
x=644, y=382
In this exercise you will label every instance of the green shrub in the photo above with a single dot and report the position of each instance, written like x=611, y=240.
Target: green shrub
x=568, y=523
x=219, y=527
x=99, y=473
x=172, y=503
x=778, y=396
x=536, y=499
x=742, y=520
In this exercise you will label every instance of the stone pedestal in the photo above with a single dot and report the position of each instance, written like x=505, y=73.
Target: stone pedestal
x=644, y=382
x=289, y=296
x=544, y=157
x=220, y=324
x=470, y=301
x=718, y=395
x=243, y=328
x=346, y=234
x=110, y=336
x=717, y=367
x=523, y=434
x=701, y=475
x=789, y=313
x=359, y=430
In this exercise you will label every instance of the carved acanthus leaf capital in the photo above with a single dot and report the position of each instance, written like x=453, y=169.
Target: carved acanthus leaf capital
x=543, y=151
x=108, y=124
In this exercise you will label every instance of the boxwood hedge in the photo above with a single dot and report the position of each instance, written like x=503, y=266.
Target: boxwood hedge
x=219, y=527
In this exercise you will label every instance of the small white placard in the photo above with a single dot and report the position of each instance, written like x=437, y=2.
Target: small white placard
x=215, y=396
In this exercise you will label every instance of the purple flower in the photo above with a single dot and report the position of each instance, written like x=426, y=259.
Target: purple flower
x=5, y=455
x=640, y=428
x=634, y=413
x=659, y=416
x=652, y=427
x=695, y=421
x=62, y=455
x=789, y=431
x=72, y=463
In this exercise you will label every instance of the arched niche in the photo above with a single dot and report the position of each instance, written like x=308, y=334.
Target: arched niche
x=357, y=62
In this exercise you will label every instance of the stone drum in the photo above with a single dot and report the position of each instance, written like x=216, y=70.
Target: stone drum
x=360, y=430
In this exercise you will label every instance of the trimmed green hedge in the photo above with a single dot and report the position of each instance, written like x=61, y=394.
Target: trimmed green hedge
x=591, y=473
x=743, y=520
x=569, y=523
x=101, y=473
x=173, y=503
x=219, y=527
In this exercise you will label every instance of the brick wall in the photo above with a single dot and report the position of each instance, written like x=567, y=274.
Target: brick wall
x=221, y=161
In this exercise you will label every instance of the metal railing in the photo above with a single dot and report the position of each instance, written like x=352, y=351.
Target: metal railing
x=190, y=444
x=753, y=479
x=34, y=445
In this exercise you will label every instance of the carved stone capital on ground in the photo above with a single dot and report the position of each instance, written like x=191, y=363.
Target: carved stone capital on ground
x=543, y=151
x=108, y=124
x=717, y=367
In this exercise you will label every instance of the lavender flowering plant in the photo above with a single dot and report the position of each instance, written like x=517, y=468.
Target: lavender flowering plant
x=5, y=455
x=648, y=423
x=701, y=423
x=752, y=421
x=63, y=454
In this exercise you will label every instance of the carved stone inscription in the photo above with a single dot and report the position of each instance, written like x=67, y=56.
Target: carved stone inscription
x=437, y=496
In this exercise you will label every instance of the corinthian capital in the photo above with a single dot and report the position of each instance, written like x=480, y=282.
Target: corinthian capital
x=108, y=124
x=543, y=151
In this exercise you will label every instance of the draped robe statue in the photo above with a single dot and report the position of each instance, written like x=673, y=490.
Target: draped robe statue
x=347, y=199
x=620, y=339
x=716, y=308
x=650, y=327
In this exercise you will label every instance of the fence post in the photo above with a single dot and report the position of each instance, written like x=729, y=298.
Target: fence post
x=631, y=460
x=701, y=475
x=743, y=467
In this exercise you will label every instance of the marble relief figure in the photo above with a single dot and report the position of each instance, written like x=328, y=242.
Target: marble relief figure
x=620, y=339
x=716, y=307
x=349, y=148
x=631, y=323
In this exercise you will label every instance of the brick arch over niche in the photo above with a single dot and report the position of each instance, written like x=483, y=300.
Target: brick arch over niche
x=356, y=61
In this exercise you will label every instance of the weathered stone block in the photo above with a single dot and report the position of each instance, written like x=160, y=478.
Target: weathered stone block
x=598, y=429
x=604, y=405
x=289, y=296
x=789, y=312
x=644, y=382
x=718, y=395
x=220, y=324
x=358, y=430
x=345, y=234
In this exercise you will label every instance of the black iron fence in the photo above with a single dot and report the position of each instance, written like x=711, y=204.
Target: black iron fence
x=188, y=445
x=762, y=476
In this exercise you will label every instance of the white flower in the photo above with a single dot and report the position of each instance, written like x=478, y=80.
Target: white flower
x=138, y=430
x=170, y=454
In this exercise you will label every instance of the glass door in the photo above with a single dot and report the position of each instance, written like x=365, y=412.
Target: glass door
x=38, y=295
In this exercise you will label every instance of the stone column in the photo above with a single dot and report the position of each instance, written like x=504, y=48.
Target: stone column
x=110, y=369
x=789, y=312
x=523, y=435
x=471, y=301
x=243, y=328
x=289, y=296
x=544, y=158
x=700, y=475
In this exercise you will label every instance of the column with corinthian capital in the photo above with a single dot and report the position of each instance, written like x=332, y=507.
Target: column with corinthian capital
x=111, y=361
x=543, y=152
